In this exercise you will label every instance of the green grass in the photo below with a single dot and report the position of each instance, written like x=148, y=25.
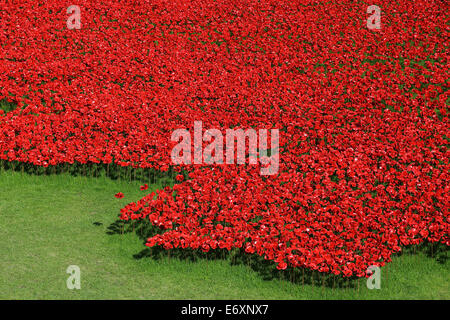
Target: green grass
x=52, y=221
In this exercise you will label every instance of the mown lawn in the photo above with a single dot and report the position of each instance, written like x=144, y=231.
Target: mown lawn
x=49, y=222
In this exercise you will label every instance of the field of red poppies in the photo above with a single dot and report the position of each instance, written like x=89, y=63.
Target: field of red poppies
x=362, y=116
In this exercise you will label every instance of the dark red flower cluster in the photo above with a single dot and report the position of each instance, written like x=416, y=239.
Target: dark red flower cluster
x=362, y=114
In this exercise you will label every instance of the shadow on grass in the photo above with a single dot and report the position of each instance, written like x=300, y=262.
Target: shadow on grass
x=94, y=170
x=265, y=269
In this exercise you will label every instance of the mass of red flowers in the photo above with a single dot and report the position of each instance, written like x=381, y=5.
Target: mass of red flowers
x=362, y=114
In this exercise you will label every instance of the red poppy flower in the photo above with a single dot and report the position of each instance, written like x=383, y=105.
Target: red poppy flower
x=119, y=195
